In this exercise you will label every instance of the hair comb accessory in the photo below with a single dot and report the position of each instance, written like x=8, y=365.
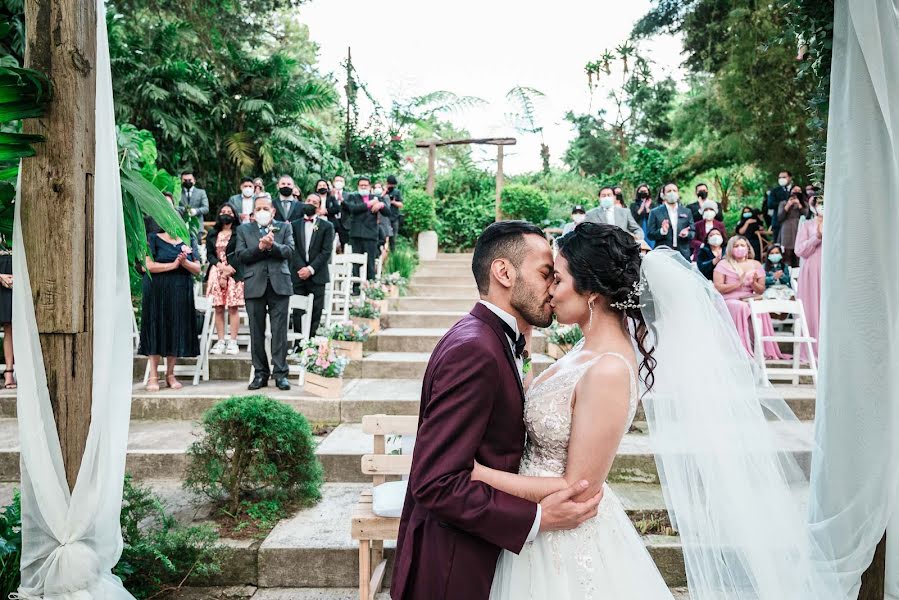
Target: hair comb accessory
x=633, y=297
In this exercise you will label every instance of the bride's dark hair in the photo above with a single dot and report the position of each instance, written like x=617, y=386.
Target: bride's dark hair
x=604, y=259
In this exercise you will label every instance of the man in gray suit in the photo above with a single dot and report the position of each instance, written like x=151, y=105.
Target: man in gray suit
x=608, y=213
x=264, y=249
x=194, y=202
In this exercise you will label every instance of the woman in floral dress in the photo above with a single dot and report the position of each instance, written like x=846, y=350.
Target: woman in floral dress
x=224, y=291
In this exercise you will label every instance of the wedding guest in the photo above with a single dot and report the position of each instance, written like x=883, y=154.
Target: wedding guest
x=578, y=214
x=671, y=225
x=225, y=292
x=258, y=186
x=395, y=200
x=749, y=226
x=710, y=253
x=776, y=271
x=698, y=207
x=788, y=213
x=264, y=249
x=364, y=231
x=708, y=221
x=739, y=277
x=619, y=196
x=808, y=247
x=640, y=209
x=337, y=215
x=168, y=318
x=776, y=195
x=608, y=212
x=314, y=240
x=194, y=202
x=287, y=207
x=6, y=279
x=242, y=203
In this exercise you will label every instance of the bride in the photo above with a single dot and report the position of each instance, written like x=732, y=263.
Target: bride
x=727, y=486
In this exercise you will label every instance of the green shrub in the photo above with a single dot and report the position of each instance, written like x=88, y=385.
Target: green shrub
x=462, y=218
x=254, y=448
x=525, y=202
x=159, y=553
x=403, y=259
x=418, y=213
x=10, y=546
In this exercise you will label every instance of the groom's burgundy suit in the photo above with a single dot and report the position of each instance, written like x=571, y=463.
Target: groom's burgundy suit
x=453, y=528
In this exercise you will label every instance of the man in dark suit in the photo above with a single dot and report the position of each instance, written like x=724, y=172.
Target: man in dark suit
x=776, y=195
x=314, y=239
x=695, y=208
x=337, y=216
x=287, y=208
x=453, y=528
x=395, y=198
x=364, y=210
x=671, y=224
x=194, y=202
x=264, y=249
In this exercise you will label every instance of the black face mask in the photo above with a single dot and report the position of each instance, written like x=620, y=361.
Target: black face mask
x=225, y=220
x=286, y=191
x=643, y=194
x=619, y=196
x=187, y=184
x=322, y=191
x=702, y=194
x=309, y=210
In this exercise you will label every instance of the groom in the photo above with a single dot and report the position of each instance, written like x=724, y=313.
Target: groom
x=453, y=529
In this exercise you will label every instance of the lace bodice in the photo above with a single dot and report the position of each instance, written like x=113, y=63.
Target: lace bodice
x=547, y=413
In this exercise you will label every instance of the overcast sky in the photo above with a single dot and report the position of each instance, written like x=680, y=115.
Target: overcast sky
x=483, y=48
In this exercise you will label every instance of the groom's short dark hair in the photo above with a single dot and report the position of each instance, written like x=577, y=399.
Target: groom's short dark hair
x=500, y=240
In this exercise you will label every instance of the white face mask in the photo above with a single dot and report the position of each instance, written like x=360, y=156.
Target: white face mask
x=716, y=240
x=364, y=192
x=783, y=181
x=819, y=210
x=578, y=218
x=708, y=215
x=671, y=198
x=339, y=185
x=378, y=191
x=606, y=202
x=246, y=192
x=263, y=217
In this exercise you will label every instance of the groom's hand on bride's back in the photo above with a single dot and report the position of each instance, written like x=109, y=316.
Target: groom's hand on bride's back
x=560, y=511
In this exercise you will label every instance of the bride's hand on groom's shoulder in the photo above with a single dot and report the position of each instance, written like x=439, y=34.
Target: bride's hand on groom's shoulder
x=477, y=473
x=559, y=511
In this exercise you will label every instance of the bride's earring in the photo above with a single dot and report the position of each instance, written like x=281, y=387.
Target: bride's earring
x=590, y=306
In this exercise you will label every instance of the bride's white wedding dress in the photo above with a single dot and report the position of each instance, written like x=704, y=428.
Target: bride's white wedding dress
x=602, y=559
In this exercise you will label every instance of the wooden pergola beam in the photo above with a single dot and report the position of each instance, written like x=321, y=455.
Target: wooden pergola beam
x=489, y=141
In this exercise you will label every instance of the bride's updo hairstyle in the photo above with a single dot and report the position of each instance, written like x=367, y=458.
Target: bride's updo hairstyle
x=604, y=259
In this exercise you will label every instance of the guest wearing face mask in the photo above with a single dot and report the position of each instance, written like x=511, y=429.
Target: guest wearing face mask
x=242, y=203
x=287, y=209
x=338, y=217
x=749, y=226
x=395, y=200
x=671, y=225
x=707, y=223
x=619, y=196
x=696, y=208
x=578, y=214
x=808, y=247
x=640, y=209
x=788, y=214
x=710, y=253
x=194, y=202
x=364, y=230
x=779, y=193
x=223, y=284
x=738, y=277
x=314, y=240
x=777, y=273
x=264, y=250
x=608, y=213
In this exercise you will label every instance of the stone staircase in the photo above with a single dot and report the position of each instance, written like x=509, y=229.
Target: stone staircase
x=311, y=554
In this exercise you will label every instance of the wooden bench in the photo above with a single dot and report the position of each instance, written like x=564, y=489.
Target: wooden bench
x=370, y=529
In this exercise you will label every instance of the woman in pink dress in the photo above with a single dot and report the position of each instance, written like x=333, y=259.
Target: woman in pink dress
x=740, y=276
x=225, y=292
x=808, y=247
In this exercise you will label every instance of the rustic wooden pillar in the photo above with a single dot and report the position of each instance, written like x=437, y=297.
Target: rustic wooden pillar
x=58, y=192
x=874, y=578
x=432, y=169
x=499, y=182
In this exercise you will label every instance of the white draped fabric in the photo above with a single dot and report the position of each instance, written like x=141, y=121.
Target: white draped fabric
x=854, y=475
x=70, y=542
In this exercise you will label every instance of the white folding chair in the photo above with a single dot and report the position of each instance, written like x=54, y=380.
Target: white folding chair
x=351, y=260
x=794, y=279
x=337, y=293
x=201, y=367
x=303, y=303
x=135, y=332
x=799, y=337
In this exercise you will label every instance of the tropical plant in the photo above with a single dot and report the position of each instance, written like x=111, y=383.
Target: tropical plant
x=419, y=213
x=525, y=202
x=318, y=357
x=253, y=448
x=524, y=117
x=10, y=546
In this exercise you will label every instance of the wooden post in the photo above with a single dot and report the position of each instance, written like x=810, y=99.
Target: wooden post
x=874, y=578
x=432, y=167
x=499, y=183
x=58, y=192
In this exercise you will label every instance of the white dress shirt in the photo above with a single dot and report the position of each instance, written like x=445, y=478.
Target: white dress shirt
x=672, y=219
x=609, y=215
x=308, y=227
x=513, y=323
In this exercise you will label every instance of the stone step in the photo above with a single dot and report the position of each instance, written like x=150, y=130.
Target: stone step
x=460, y=271
x=424, y=340
x=799, y=398
x=341, y=452
x=442, y=290
x=443, y=280
x=430, y=319
x=454, y=256
x=423, y=303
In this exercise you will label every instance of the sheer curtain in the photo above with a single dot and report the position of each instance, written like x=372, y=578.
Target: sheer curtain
x=855, y=473
x=70, y=542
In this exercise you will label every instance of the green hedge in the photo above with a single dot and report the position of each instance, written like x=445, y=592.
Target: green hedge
x=418, y=213
x=525, y=202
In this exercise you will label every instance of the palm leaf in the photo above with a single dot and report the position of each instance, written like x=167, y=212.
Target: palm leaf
x=240, y=150
x=152, y=203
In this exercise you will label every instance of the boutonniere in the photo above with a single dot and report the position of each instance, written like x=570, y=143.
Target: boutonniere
x=526, y=363
x=315, y=226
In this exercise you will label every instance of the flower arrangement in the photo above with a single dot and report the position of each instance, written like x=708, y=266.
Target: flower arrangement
x=561, y=338
x=319, y=358
x=364, y=309
x=374, y=290
x=395, y=284
x=347, y=331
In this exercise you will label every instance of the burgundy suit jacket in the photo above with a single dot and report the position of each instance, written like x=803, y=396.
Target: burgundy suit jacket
x=453, y=529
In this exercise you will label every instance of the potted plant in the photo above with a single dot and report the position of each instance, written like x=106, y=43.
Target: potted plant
x=561, y=338
x=376, y=293
x=395, y=283
x=347, y=338
x=324, y=368
x=364, y=312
